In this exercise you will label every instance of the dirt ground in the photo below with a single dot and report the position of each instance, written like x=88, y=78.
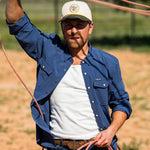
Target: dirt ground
x=17, y=129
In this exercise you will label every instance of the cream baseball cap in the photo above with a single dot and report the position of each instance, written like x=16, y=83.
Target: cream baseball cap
x=76, y=10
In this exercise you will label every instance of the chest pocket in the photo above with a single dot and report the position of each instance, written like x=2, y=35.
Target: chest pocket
x=101, y=90
x=46, y=66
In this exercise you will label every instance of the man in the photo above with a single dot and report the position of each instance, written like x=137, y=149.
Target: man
x=75, y=82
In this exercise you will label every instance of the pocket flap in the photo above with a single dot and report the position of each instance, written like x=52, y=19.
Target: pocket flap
x=46, y=66
x=101, y=84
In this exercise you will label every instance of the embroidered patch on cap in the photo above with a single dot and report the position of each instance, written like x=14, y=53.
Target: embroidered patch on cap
x=74, y=8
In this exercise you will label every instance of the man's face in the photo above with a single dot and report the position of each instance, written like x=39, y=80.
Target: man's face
x=76, y=33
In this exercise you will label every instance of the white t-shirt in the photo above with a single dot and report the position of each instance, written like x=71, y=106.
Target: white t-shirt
x=71, y=114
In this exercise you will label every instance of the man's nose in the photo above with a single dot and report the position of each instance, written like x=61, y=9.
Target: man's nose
x=74, y=30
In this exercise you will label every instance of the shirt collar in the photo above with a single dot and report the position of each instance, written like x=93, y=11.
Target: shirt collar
x=94, y=55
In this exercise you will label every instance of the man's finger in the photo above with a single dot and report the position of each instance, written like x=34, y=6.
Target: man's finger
x=98, y=136
x=100, y=142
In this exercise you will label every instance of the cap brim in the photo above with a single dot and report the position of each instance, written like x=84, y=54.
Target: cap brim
x=74, y=17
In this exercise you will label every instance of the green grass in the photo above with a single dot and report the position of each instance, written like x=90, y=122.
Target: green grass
x=115, y=25
x=3, y=129
x=144, y=106
x=29, y=131
x=133, y=145
x=136, y=98
x=3, y=100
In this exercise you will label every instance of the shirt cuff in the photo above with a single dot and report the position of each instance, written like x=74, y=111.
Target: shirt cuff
x=14, y=28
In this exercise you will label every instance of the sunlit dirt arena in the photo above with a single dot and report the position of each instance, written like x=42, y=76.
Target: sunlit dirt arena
x=17, y=129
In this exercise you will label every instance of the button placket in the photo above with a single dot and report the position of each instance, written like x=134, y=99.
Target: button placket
x=85, y=74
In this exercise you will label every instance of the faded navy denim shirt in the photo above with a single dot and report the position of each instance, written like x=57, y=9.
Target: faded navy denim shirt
x=100, y=70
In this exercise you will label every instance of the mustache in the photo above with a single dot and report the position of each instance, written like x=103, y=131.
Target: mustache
x=78, y=35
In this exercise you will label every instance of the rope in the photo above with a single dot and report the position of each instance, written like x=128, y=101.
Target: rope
x=137, y=4
x=123, y=8
x=4, y=51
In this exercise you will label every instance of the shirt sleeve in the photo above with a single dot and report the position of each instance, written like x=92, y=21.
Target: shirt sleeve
x=29, y=37
x=119, y=98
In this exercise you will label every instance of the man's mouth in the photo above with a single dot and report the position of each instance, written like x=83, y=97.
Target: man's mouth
x=74, y=38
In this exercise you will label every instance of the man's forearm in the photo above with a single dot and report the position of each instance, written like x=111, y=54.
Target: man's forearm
x=14, y=11
x=117, y=121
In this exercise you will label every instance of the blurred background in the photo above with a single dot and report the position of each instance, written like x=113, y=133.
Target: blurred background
x=113, y=28
x=123, y=34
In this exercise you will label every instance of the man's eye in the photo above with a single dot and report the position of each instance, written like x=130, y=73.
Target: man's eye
x=68, y=25
x=81, y=25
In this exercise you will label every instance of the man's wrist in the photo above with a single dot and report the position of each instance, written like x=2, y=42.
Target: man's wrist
x=112, y=130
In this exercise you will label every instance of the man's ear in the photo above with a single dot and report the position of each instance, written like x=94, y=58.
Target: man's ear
x=91, y=26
